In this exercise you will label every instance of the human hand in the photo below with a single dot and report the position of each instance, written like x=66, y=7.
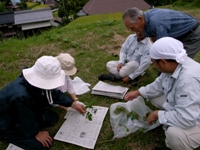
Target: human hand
x=79, y=107
x=131, y=95
x=126, y=79
x=120, y=66
x=153, y=116
x=44, y=138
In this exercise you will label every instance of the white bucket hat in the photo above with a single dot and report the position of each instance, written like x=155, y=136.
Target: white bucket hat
x=46, y=73
x=67, y=63
x=168, y=48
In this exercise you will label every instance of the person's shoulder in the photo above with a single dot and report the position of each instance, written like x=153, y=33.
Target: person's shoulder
x=131, y=37
x=147, y=41
x=14, y=89
x=191, y=67
x=192, y=64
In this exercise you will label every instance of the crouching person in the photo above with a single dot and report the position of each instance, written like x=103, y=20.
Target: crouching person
x=24, y=105
x=176, y=93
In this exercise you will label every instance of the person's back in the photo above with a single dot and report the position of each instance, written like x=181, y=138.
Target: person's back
x=190, y=69
x=169, y=22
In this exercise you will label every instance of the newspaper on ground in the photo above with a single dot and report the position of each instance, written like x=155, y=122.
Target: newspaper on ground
x=13, y=147
x=79, y=130
x=105, y=89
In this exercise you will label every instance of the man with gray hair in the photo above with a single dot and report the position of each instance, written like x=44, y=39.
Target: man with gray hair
x=176, y=93
x=157, y=23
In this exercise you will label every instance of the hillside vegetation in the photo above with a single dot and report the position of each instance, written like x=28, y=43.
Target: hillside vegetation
x=92, y=41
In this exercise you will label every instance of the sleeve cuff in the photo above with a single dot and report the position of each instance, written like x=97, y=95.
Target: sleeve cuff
x=161, y=117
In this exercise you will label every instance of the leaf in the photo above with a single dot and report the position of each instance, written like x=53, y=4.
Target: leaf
x=127, y=129
x=133, y=115
x=88, y=106
x=88, y=114
x=89, y=117
x=119, y=109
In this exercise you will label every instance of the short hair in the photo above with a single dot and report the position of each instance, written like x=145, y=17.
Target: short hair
x=133, y=14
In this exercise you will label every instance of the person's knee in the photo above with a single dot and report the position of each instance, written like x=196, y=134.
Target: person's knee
x=173, y=137
x=110, y=64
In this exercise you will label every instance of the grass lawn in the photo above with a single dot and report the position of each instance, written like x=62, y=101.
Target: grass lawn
x=92, y=41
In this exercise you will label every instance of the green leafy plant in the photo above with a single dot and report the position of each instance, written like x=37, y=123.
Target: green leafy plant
x=88, y=114
x=119, y=109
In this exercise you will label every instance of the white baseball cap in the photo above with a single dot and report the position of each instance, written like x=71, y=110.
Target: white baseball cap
x=67, y=63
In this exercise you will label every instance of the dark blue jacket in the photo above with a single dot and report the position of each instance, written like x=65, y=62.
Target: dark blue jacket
x=22, y=106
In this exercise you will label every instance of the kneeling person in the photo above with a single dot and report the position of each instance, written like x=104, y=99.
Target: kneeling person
x=176, y=93
x=24, y=105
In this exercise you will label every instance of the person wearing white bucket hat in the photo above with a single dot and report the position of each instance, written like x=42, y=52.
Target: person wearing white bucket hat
x=24, y=104
x=176, y=93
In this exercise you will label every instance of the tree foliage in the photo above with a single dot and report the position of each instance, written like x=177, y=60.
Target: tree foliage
x=2, y=7
x=69, y=8
x=160, y=2
x=194, y=3
x=22, y=5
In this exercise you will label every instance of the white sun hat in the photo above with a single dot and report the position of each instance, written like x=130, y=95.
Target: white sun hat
x=46, y=73
x=168, y=48
x=67, y=63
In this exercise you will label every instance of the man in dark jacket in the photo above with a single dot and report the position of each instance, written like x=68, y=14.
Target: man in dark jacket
x=24, y=102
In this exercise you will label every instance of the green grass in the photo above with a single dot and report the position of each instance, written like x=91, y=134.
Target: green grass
x=91, y=40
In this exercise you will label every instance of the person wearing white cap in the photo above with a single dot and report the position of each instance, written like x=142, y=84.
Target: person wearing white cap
x=67, y=63
x=24, y=104
x=176, y=93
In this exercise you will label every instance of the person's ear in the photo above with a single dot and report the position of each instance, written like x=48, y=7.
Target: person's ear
x=163, y=61
x=140, y=19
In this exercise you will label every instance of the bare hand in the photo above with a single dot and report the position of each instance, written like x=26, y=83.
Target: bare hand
x=126, y=79
x=119, y=66
x=132, y=95
x=153, y=116
x=44, y=138
x=79, y=107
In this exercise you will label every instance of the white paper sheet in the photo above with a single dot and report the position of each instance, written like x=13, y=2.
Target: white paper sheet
x=78, y=130
x=80, y=86
x=13, y=147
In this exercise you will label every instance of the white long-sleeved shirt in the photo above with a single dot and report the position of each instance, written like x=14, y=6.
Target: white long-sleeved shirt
x=132, y=50
x=182, y=92
x=67, y=87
